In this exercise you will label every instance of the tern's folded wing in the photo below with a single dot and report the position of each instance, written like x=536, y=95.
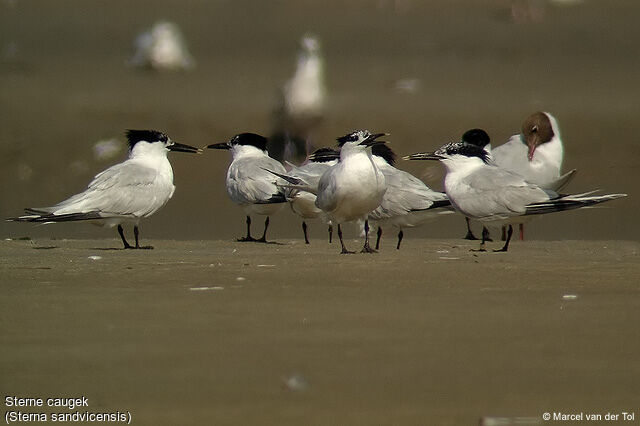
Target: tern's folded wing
x=250, y=182
x=494, y=193
x=126, y=189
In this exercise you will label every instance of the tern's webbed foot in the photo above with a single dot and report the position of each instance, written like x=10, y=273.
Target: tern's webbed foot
x=367, y=249
x=470, y=236
x=345, y=251
x=246, y=239
x=502, y=250
x=145, y=248
x=261, y=240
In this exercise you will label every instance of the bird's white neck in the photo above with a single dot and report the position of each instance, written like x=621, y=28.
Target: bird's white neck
x=241, y=151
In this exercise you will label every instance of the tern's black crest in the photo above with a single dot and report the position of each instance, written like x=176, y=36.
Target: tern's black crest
x=352, y=137
x=135, y=136
x=382, y=150
x=252, y=139
x=324, y=155
x=463, y=148
x=477, y=137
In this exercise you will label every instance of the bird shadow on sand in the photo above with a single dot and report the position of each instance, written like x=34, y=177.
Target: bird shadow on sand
x=108, y=248
x=277, y=243
x=46, y=247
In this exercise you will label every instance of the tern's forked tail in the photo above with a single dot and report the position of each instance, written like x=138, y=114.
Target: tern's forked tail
x=39, y=216
x=570, y=202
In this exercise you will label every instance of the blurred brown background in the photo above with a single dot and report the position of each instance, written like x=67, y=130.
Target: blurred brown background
x=64, y=86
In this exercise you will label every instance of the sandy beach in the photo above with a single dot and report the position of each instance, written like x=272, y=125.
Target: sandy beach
x=204, y=330
x=219, y=332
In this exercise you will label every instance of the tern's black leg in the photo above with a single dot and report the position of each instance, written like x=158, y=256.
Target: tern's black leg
x=379, y=233
x=330, y=234
x=486, y=236
x=304, y=229
x=344, y=249
x=521, y=226
x=135, y=233
x=366, y=248
x=504, y=233
x=248, y=237
x=482, y=242
x=469, y=235
x=400, y=235
x=506, y=245
x=264, y=234
x=124, y=241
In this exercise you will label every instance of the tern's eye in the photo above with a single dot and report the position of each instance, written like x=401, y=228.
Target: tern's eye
x=534, y=129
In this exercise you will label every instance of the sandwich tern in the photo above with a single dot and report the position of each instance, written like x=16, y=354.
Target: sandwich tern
x=350, y=189
x=479, y=189
x=124, y=193
x=248, y=182
x=481, y=139
x=303, y=203
x=408, y=202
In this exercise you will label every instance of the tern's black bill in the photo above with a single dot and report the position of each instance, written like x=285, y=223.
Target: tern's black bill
x=179, y=147
x=222, y=145
x=372, y=139
x=423, y=156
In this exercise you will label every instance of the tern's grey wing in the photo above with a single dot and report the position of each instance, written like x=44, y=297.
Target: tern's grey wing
x=250, y=182
x=310, y=172
x=126, y=189
x=405, y=193
x=492, y=193
x=327, y=197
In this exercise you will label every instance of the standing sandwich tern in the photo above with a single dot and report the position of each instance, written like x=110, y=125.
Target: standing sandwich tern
x=123, y=193
x=408, y=202
x=480, y=138
x=303, y=203
x=354, y=187
x=248, y=182
x=483, y=191
x=350, y=189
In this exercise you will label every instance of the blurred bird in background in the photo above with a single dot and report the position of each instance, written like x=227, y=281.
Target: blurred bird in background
x=301, y=105
x=162, y=48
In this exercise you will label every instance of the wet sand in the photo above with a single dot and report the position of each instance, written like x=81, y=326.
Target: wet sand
x=219, y=332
